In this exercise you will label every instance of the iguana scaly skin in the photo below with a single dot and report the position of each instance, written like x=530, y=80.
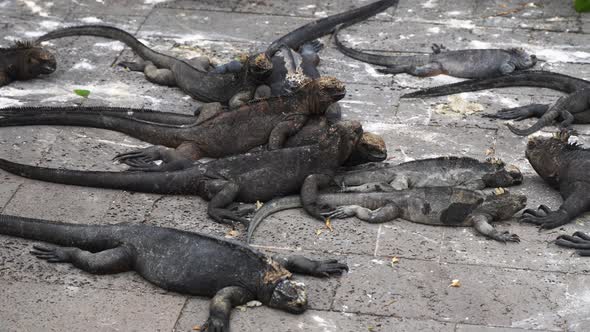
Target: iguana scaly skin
x=564, y=167
x=316, y=29
x=442, y=206
x=573, y=108
x=25, y=61
x=233, y=85
x=185, y=262
x=462, y=172
x=578, y=240
x=478, y=63
x=247, y=178
x=214, y=133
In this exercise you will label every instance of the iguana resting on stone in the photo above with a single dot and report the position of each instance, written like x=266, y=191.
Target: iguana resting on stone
x=578, y=240
x=444, y=206
x=462, y=172
x=214, y=133
x=179, y=261
x=564, y=167
x=233, y=83
x=477, y=63
x=573, y=108
x=248, y=177
x=24, y=61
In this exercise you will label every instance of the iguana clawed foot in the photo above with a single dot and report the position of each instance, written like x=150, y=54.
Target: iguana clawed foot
x=437, y=48
x=578, y=240
x=143, y=159
x=506, y=237
x=51, y=254
x=544, y=217
x=516, y=113
x=325, y=268
x=341, y=212
x=216, y=324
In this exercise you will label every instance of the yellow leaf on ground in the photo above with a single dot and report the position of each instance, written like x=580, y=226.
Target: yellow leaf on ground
x=329, y=225
x=197, y=328
x=394, y=260
x=259, y=204
x=318, y=232
x=499, y=191
x=233, y=233
x=455, y=283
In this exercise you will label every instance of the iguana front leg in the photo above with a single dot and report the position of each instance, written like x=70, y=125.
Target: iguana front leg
x=222, y=194
x=284, y=129
x=481, y=223
x=310, y=192
x=574, y=205
x=172, y=159
x=152, y=73
x=302, y=265
x=241, y=98
x=104, y=262
x=507, y=68
x=221, y=305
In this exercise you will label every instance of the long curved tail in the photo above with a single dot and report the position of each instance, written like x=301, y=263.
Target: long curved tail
x=158, y=59
x=118, y=119
x=383, y=60
x=63, y=234
x=541, y=79
x=326, y=25
x=177, y=182
x=272, y=207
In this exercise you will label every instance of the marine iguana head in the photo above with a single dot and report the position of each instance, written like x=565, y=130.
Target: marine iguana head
x=502, y=176
x=259, y=66
x=343, y=137
x=289, y=296
x=522, y=60
x=370, y=148
x=503, y=206
x=321, y=93
x=32, y=60
x=544, y=154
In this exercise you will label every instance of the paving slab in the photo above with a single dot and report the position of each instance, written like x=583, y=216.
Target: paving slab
x=34, y=307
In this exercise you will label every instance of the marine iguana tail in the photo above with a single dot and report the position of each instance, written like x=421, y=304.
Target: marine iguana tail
x=23, y=61
x=564, y=167
x=326, y=25
x=540, y=79
x=444, y=206
x=476, y=63
x=185, y=262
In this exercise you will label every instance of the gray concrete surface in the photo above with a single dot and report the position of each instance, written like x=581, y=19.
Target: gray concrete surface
x=515, y=287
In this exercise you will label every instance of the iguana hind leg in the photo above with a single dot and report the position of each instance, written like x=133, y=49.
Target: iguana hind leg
x=222, y=193
x=172, y=159
x=578, y=240
x=104, y=262
x=161, y=76
x=385, y=213
x=520, y=113
x=221, y=305
x=302, y=265
x=133, y=66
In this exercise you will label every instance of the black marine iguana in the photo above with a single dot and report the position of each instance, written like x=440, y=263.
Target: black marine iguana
x=462, y=172
x=179, y=261
x=564, y=167
x=232, y=84
x=578, y=240
x=25, y=61
x=214, y=133
x=573, y=108
x=476, y=63
x=444, y=206
x=248, y=177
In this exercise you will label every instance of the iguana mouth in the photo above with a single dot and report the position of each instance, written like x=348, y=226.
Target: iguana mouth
x=48, y=68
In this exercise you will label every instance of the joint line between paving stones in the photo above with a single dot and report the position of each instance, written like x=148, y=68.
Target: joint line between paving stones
x=180, y=314
x=377, y=241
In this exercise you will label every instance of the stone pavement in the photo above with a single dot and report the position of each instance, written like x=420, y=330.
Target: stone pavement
x=533, y=285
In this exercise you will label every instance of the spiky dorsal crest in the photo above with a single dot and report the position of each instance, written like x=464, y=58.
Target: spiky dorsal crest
x=23, y=44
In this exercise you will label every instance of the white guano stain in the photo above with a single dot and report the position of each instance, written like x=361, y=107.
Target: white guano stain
x=35, y=8
x=8, y=102
x=434, y=30
x=557, y=53
x=91, y=20
x=83, y=65
x=113, y=45
x=430, y=4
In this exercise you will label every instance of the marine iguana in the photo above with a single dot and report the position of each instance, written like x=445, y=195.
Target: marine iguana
x=564, y=167
x=444, y=206
x=462, y=172
x=569, y=109
x=578, y=240
x=232, y=84
x=191, y=263
x=214, y=133
x=247, y=178
x=24, y=61
x=476, y=63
